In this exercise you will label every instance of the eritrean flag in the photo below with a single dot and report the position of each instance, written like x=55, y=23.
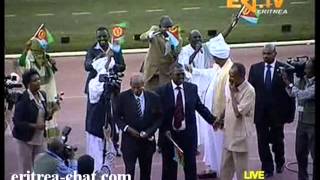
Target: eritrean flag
x=175, y=30
x=248, y=16
x=43, y=36
x=118, y=32
x=178, y=156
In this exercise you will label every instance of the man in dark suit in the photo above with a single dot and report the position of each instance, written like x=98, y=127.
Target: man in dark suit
x=273, y=109
x=180, y=100
x=138, y=115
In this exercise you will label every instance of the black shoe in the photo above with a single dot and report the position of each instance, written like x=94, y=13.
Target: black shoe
x=268, y=174
x=280, y=169
x=207, y=175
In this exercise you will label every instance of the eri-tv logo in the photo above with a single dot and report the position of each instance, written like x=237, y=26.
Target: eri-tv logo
x=264, y=6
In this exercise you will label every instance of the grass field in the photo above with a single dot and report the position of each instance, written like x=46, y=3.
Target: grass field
x=78, y=19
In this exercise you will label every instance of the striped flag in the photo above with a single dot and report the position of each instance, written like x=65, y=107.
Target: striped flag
x=173, y=40
x=178, y=156
x=175, y=30
x=178, y=152
x=248, y=16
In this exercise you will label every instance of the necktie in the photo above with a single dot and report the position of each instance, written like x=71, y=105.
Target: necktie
x=139, y=107
x=178, y=111
x=267, y=81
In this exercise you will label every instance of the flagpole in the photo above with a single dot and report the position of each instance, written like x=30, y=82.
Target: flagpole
x=233, y=23
x=38, y=30
x=174, y=143
x=238, y=16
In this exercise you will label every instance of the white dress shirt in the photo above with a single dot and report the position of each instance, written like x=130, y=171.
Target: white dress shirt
x=271, y=69
x=175, y=91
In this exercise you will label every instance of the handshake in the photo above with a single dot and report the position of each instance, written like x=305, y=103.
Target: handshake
x=218, y=123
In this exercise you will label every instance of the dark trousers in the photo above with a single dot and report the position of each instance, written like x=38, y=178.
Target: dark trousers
x=115, y=130
x=269, y=134
x=115, y=138
x=170, y=166
x=143, y=151
x=304, y=145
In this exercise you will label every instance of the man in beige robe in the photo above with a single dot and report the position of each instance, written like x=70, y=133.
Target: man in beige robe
x=161, y=55
x=238, y=123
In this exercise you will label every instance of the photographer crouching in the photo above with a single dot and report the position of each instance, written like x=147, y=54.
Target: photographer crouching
x=303, y=89
x=53, y=161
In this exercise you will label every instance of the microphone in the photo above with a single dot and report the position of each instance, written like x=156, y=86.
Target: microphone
x=199, y=46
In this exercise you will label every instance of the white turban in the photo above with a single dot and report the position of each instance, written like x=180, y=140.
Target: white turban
x=218, y=47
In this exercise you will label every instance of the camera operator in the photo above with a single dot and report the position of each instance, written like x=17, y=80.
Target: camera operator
x=304, y=91
x=53, y=160
x=101, y=59
x=11, y=95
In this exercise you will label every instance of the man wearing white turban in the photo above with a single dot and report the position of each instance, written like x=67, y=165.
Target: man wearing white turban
x=221, y=54
x=198, y=59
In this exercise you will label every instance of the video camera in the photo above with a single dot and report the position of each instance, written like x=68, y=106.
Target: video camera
x=112, y=78
x=296, y=65
x=10, y=84
x=68, y=149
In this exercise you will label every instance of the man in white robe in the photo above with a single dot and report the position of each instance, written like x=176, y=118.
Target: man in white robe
x=221, y=54
x=200, y=57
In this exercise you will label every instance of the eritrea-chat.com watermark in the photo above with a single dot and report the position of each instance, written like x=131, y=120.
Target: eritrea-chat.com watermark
x=265, y=7
x=73, y=176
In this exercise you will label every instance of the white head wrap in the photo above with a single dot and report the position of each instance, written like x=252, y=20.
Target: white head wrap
x=218, y=47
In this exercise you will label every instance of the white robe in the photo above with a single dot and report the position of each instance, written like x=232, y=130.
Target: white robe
x=95, y=147
x=212, y=140
x=202, y=82
x=95, y=86
x=95, y=144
